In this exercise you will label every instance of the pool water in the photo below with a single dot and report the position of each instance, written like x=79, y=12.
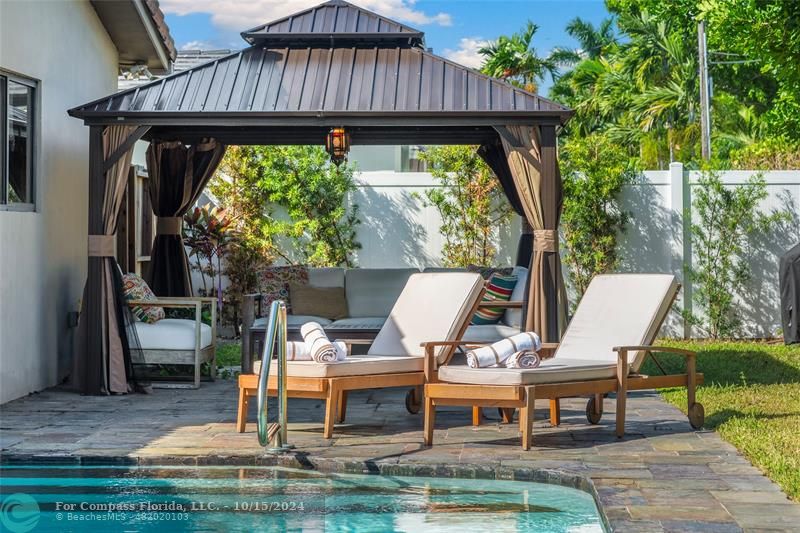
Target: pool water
x=177, y=498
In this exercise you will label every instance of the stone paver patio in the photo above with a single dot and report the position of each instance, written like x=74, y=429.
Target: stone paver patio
x=662, y=477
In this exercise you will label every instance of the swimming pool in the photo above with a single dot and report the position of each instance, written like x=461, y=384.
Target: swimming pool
x=177, y=498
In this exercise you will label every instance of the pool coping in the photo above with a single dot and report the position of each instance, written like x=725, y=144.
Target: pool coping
x=303, y=461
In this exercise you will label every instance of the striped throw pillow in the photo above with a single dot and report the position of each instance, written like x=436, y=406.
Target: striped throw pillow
x=499, y=288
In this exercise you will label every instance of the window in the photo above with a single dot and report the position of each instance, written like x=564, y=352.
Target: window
x=17, y=126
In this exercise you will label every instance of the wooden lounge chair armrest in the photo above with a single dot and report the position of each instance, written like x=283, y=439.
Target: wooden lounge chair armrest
x=662, y=349
x=204, y=299
x=502, y=305
x=548, y=350
x=435, y=344
x=163, y=303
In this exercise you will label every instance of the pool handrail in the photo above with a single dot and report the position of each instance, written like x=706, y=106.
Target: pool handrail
x=277, y=434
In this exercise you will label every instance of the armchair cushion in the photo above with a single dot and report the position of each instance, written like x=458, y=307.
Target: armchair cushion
x=135, y=288
x=171, y=334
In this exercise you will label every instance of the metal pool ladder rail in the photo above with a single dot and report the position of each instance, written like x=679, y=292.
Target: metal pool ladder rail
x=275, y=433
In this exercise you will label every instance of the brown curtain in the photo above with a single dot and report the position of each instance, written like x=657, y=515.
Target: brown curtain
x=495, y=157
x=178, y=174
x=102, y=357
x=534, y=168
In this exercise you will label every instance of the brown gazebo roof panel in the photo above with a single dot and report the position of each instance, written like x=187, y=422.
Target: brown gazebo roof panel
x=334, y=20
x=323, y=80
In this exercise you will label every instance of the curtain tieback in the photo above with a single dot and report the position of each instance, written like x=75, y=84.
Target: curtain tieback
x=101, y=246
x=545, y=240
x=169, y=225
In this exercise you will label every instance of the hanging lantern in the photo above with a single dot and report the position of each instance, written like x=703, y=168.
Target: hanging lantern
x=338, y=144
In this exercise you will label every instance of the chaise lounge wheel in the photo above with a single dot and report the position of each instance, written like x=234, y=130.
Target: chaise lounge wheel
x=593, y=415
x=697, y=415
x=413, y=403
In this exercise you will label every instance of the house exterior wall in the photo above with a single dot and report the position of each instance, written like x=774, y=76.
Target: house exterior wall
x=64, y=46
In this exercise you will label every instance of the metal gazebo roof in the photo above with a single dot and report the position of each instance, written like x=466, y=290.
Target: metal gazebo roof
x=334, y=64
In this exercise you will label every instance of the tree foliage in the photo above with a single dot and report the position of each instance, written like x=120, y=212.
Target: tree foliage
x=514, y=59
x=725, y=217
x=471, y=203
x=641, y=86
x=291, y=202
x=594, y=171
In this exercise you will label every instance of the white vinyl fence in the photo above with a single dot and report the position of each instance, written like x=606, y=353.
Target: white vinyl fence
x=398, y=230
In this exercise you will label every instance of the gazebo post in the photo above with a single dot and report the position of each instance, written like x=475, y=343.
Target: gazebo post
x=93, y=367
x=551, y=211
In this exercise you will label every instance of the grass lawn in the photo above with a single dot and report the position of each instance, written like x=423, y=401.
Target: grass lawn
x=752, y=398
x=229, y=354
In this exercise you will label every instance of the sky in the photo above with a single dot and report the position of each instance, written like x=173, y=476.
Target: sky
x=453, y=28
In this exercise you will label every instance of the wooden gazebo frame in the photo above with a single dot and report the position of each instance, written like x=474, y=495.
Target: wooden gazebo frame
x=334, y=65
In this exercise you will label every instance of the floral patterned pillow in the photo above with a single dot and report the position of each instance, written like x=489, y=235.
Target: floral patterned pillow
x=273, y=284
x=135, y=288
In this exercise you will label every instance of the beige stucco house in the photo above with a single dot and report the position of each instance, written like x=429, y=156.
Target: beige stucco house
x=54, y=55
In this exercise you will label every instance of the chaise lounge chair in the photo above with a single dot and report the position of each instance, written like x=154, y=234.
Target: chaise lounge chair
x=601, y=352
x=431, y=306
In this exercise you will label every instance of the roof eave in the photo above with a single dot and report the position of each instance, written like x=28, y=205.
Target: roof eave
x=323, y=118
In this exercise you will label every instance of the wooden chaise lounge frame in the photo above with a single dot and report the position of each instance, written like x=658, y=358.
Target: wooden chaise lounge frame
x=509, y=397
x=334, y=389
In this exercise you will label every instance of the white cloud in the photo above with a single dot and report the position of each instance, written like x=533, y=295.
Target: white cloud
x=241, y=15
x=467, y=52
x=197, y=45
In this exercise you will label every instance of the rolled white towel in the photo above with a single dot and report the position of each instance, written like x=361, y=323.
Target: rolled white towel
x=524, y=359
x=320, y=348
x=298, y=351
x=497, y=353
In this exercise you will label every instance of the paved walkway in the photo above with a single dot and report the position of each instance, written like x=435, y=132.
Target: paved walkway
x=662, y=477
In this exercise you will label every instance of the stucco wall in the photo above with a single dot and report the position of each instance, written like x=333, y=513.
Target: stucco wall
x=43, y=254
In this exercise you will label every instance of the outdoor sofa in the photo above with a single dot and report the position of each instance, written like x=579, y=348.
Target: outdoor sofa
x=370, y=294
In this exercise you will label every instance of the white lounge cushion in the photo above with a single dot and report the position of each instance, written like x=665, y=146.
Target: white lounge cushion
x=488, y=332
x=294, y=321
x=373, y=291
x=431, y=307
x=354, y=365
x=171, y=334
x=618, y=310
x=550, y=371
x=367, y=322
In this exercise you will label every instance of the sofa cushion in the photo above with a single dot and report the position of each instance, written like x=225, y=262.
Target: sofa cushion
x=294, y=322
x=273, y=284
x=367, y=322
x=432, y=307
x=135, y=288
x=513, y=317
x=326, y=277
x=549, y=371
x=498, y=289
x=429, y=270
x=171, y=334
x=354, y=365
x=489, y=333
x=323, y=301
x=487, y=272
x=373, y=292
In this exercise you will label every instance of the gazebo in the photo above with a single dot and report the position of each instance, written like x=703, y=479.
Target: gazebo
x=335, y=65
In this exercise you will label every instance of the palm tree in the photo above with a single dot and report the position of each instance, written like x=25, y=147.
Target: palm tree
x=514, y=59
x=592, y=41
